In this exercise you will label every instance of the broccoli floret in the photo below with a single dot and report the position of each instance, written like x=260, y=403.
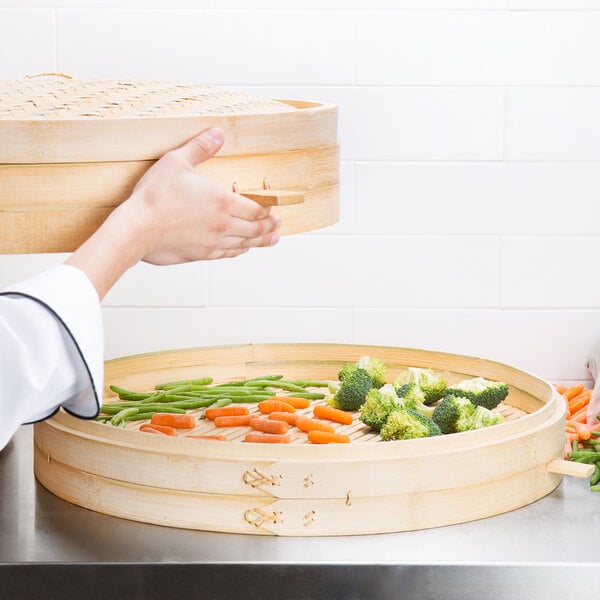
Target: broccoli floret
x=412, y=396
x=453, y=413
x=353, y=390
x=375, y=368
x=484, y=417
x=432, y=385
x=406, y=424
x=480, y=391
x=456, y=413
x=346, y=370
x=378, y=406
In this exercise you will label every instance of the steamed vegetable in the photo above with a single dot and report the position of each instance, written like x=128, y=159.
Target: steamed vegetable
x=480, y=391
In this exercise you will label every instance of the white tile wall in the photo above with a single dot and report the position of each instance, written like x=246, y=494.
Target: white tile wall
x=27, y=43
x=138, y=330
x=214, y=46
x=553, y=123
x=470, y=169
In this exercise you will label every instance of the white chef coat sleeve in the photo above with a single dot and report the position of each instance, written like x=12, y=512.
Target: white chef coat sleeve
x=51, y=344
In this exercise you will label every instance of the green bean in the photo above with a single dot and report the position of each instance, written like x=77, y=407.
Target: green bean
x=245, y=381
x=589, y=457
x=595, y=488
x=311, y=383
x=285, y=385
x=595, y=478
x=172, y=384
x=307, y=395
x=128, y=394
x=126, y=412
x=242, y=399
x=114, y=408
x=139, y=416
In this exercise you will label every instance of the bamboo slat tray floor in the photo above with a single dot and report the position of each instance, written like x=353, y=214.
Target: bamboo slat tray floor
x=72, y=150
x=367, y=486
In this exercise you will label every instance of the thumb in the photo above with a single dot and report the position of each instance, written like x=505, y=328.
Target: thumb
x=202, y=147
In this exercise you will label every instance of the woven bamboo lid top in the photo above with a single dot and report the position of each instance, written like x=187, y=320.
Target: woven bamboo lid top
x=65, y=98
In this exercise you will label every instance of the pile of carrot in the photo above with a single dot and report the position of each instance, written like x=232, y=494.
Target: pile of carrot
x=276, y=415
x=576, y=398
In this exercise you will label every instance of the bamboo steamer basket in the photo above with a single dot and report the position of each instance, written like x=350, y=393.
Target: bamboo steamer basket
x=72, y=150
x=300, y=489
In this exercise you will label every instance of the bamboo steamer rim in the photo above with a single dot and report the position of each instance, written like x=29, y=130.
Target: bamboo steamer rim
x=549, y=411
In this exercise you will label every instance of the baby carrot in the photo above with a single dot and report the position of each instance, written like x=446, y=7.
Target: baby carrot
x=324, y=437
x=232, y=421
x=226, y=411
x=220, y=438
x=573, y=391
x=266, y=438
x=164, y=429
x=174, y=420
x=295, y=402
x=307, y=424
x=289, y=418
x=269, y=425
x=580, y=401
x=269, y=406
x=560, y=388
x=581, y=429
x=332, y=414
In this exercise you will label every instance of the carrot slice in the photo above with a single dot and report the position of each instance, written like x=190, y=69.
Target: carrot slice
x=332, y=414
x=324, y=437
x=269, y=425
x=174, y=420
x=225, y=411
x=232, y=421
x=295, y=402
x=153, y=428
x=308, y=424
x=269, y=406
x=258, y=437
x=289, y=418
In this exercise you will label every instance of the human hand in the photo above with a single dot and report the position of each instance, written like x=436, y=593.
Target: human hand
x=175, y=215
x=187, y=216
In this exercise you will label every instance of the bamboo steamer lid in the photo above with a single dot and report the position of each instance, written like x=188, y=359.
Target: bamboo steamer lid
x=72, y=150
x=302, y=489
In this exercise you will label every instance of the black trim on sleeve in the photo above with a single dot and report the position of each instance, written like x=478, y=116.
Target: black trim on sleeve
x=57, y=316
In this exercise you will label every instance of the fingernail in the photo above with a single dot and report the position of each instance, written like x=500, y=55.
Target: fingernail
x=274, y=239
x=277, y=222
x=215, y=135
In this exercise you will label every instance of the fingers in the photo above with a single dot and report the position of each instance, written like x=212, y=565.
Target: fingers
x=244, y=208
x=202, y=147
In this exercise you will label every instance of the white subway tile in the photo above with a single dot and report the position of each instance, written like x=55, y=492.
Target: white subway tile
x=476, y=198
x=553, y=123
x=342, y=5
x=550, y=272
x=27, y=43
x=551, y=344
x=137, y=330
x=422, y=124
x=151, y=285
x=554, y=4
x=553, y=48
x=364, y=4
x=16, y=267
x=431, y=48
x=245, y=47
x=340, y=271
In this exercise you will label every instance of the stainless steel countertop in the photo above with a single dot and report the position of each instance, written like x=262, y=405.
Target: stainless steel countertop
x=545, y=550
